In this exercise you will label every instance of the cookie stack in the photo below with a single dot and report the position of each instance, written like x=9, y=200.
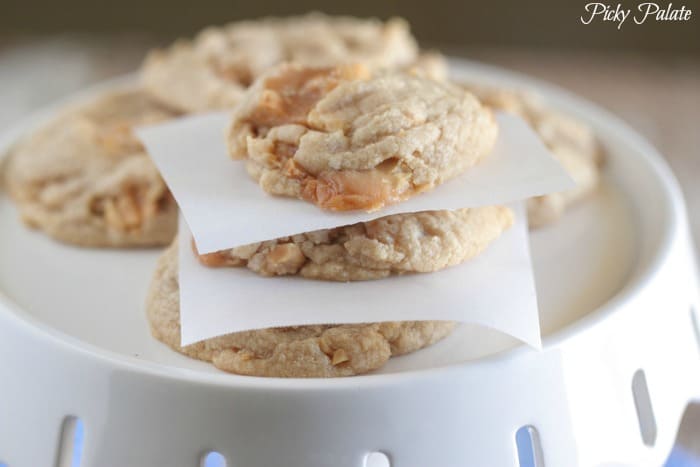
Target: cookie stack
x=343, y=113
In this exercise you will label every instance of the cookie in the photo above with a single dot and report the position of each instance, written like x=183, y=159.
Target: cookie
x=319, y=351
x=213, y=70
x=345, y=139
x=85, y=179
x=571, y=141
x=397, y=244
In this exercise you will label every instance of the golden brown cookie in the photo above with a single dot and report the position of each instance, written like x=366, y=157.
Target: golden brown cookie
x=85, y=179
x=571, y=141
x=397, y=244
x=213, y=70
x=297, y=352
x=344, y=139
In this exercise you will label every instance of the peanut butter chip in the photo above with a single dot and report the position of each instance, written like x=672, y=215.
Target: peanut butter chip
x=119, y=139
x=245, y=356
x=284, y=259
x=339, y=356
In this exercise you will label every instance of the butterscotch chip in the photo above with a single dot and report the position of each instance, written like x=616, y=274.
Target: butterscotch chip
x=318, y=351
x=84, y=178
x=397, y=244
x=339, y=356
x=213, y=70
x=571, y=141
x=344, y=139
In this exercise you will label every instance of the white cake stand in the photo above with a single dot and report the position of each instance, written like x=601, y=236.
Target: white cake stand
x=618, y=290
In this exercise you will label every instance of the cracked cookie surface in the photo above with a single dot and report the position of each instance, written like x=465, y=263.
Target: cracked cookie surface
x=344, y=139
x=572, y=142
x=318, y=351
x=397, y=244
x=84, y=178
x=213, y=70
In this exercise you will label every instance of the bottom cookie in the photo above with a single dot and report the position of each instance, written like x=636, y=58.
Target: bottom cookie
x=318, y=351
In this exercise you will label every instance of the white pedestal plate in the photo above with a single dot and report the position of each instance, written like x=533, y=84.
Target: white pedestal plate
x=617, y=283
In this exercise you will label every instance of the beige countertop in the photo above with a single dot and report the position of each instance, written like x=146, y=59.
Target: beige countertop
x=661, y=99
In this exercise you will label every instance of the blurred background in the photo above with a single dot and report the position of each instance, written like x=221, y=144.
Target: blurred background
x=549, y=24
x=648, y=74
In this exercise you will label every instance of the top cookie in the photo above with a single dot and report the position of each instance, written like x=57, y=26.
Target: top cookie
x=213, y=70
x=345, y=139
x=84, y=178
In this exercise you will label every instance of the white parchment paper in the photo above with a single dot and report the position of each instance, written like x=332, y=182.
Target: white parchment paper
x=224, y=207
x=495, y=289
